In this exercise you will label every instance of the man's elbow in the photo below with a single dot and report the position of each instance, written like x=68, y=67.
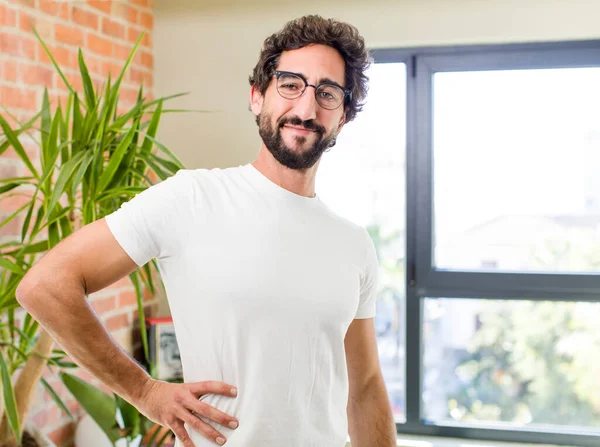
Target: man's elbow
x=25, y=292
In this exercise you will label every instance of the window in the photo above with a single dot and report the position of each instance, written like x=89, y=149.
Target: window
x=477, y=171
x=363, y=179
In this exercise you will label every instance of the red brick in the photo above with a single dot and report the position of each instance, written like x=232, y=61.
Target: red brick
x=50, y=7
x=44, y=25
x=104, y=305
x=126, y=298
x=56, y=98
x=122, y=52
x=8, y=70
x=65, y=11
x=12, y=204
x=144, y=58
x=125, y=281
x=47, y=417
x=60, y=54
x=76, y=82
x=128, y=95
x=28, y=3
x=112, y=28
x=68, y=34
x=64, y=435
x=93, y=64
x=117, y=322
x=37, y=75
x=133, y=35
x=18, y=98
x=112, y=68
x=146, y=20
x=13, y=227
x=99, y=45
x=140, y=77
x=18, y=46
x=31, y=149
x=8, y=17
x=8, y=171
x=102, y=5
x=85, y=18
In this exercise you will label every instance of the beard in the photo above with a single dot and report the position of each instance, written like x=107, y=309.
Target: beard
x=283, y=154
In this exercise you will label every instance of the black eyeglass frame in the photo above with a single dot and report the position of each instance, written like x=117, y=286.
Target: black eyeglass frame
x=347, y=92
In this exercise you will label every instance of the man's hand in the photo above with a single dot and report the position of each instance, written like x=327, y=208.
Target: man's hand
x=173, y=404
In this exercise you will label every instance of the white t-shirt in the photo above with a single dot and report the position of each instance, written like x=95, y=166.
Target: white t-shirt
x=262, y=285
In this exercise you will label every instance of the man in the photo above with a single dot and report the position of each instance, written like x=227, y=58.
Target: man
x=272, y=295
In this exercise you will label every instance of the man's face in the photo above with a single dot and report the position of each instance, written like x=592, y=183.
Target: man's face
x=297, y=131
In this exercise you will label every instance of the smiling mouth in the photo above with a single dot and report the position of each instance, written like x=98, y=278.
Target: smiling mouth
x=301, y=129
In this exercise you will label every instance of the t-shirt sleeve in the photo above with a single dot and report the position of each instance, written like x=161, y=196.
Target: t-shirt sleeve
x=368, y=281
x=150, y=224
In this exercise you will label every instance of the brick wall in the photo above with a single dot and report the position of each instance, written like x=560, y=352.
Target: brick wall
x=106, y=31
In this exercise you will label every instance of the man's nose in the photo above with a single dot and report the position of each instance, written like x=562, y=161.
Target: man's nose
x=306, y=105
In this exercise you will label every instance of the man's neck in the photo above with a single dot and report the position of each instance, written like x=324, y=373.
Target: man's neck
x=301, y=182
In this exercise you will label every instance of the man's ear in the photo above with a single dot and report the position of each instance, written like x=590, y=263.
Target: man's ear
x=256, y=100
x=342, y=122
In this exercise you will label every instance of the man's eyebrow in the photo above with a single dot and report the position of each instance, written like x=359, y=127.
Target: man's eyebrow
x=325, y=80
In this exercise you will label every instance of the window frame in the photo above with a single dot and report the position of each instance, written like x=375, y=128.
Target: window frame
x=425, y=281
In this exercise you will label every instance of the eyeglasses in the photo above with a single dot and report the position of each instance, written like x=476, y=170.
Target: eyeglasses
x=329, y=95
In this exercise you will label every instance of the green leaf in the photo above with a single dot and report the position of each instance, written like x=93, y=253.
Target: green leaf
x=65, y=227
x=154, y=167
x=6, y=143
x=100, y=406
x=14, y=215
x=148, y=278
x=54, y=62
x=151, y=132
x=6, y=264
x=56, y=398
x=12, y=137
x=87, y=159
x=141, y=314
x=53, y=235
x=167, y=151
x=127, y=63
x=8, y=187
x=46, y=125
x=38, y=247
x=115, y=160
x=10, y=405
x=131, y=417
x=25, y=226
x=66, y=171
x=88, y=87
x=20, y=180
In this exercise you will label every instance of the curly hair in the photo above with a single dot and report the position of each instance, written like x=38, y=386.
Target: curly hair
x=314, y=29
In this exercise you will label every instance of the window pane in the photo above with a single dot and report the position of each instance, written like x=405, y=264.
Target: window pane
x=524, y=363
x=517, y=170
x=363, y=180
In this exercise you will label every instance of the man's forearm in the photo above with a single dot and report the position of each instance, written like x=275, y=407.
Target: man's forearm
x=61, y=308
x=370, y=418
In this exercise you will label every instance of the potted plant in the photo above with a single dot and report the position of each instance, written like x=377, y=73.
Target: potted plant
x=120, y=422
x=92, y=159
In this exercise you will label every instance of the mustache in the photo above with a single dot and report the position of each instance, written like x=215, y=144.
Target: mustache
x=296, y=121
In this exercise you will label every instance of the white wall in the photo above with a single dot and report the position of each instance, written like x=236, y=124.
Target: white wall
x=209, y=47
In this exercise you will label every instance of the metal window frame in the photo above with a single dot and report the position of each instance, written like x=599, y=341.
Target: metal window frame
x=424, y=281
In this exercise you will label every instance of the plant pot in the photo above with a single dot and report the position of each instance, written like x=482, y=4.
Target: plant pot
x=33, y=437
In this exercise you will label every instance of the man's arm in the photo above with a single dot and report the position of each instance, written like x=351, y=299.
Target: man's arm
x=53, y=292
x=370, y=419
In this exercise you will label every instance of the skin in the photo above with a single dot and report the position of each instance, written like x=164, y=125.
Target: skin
x=54, y=289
